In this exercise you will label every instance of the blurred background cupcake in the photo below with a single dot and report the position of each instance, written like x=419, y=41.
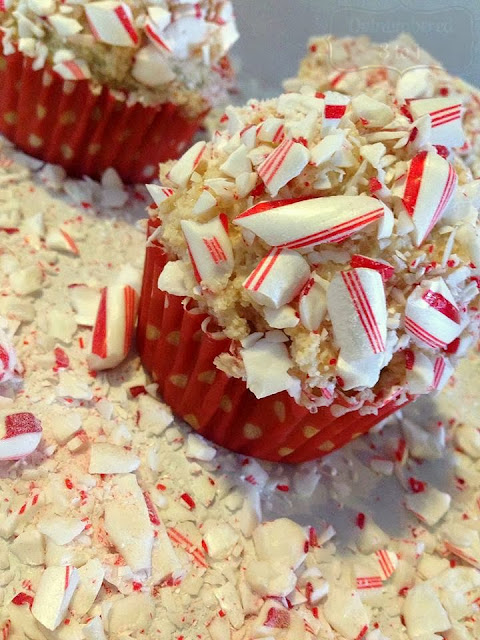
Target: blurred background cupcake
x=309, y=270
x=123, y=84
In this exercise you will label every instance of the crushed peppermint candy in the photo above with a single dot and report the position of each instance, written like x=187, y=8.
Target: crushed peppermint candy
x=170, y=537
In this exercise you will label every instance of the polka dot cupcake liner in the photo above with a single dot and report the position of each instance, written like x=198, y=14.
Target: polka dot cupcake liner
x=178, y=351
x=85, y=130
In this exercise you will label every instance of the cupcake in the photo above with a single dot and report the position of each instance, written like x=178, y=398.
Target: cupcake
x=400, y=71
x=109, y=83
x=309, y=271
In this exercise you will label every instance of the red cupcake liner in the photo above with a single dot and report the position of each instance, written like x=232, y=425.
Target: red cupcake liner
x=67, y=123
x=179, y=354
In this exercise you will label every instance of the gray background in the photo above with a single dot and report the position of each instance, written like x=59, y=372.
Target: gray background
x=274, y=33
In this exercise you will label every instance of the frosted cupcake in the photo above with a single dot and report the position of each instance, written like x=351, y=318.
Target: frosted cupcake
x=125, y=84
x=398, y=71
x=309, y=270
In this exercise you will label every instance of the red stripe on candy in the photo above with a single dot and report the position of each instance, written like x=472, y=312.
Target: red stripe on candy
x=441, y=304
x=335, y=111
x=126, y=23
x=99, y=339
x=414, y=181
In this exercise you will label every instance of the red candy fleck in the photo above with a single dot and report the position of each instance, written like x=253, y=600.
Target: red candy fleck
x=374, y=185
x=409, y=359
x=362, y=633
x=161, y=487
x=402, y=445
x=137, y=391
x=312, y=537
x=283, y=487
x=453, y=346
x=443, y=91
x=189, y=501
x=23, y=598
x=417, y=486
x=152, y=512
x=277, y=618
x=68, y=483
x=204, y=546
x=306, y=547
x=360, y=520
x=259, y=190
x=313, y=48
x=441, y=150
x=137, y=586
x=61, y=359
x=413, y=134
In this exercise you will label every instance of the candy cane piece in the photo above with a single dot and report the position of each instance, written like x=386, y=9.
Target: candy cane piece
x=357, y=307
x=431, y=315
x=159, y=193
x=112, y=22
x=73, y=70
x=209, y=248
x=334, y=109
x=278, y=278
x=430, y=183
x=114, y=326
x=297, y=224
x=182, y=170
x=283, y=164
x=446, y=119
x=312, y=304
x=54, y=592
x=22, y=435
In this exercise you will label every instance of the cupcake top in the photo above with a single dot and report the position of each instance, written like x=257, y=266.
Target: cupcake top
x=399, y=71
x=333, y=241
x=166, y=50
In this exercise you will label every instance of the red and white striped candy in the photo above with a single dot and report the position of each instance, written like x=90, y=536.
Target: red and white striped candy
x=209, y=248
x=21, y=436
x=184, y=167
x=54, y=592
x=112, y=22
x=114, y=327
x=283, y=164
x=8, y=360
x=429, y=185
x=384, y=268
x=157, y=21
x=368, y=582
x=312, y=304
x=73, y=70
x=297, y=224
x=387, y=562
x=431, y=315
x=271, y=130
x=425, y=374
x=358, y=311
x=159, y=193
x=334, y=109
x=446, y=119
x=278, y=278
